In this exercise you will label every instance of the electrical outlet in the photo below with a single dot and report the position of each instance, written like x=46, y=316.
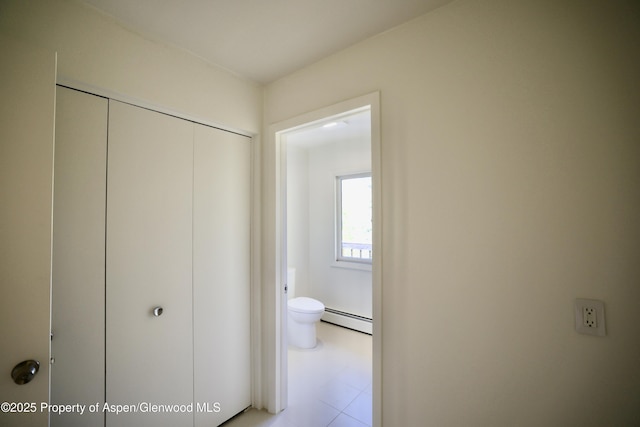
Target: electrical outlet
x=590, y=317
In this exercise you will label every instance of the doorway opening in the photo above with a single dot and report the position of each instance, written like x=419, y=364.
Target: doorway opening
x=329, y=227
x=318, y=158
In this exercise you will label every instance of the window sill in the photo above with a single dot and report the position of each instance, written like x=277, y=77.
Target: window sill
x=363, y=266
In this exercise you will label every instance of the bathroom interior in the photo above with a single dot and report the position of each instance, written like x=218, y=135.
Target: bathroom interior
x=317, y=156
x=329, y=276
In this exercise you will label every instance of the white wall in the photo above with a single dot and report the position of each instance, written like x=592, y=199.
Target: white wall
x=510, y=186
x=311, y=173
x=97, y=52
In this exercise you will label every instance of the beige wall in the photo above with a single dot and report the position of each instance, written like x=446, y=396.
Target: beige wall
x=97, y=52
x=511, y=186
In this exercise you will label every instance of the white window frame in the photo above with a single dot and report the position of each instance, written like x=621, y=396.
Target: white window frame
x=341, y=259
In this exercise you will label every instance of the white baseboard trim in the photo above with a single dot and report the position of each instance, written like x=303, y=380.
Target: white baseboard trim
x=348, y=320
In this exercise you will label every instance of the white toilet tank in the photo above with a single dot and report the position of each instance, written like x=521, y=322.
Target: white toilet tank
x=291, y=282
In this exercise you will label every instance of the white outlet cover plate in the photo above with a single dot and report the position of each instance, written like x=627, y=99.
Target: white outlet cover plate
x=581, y=328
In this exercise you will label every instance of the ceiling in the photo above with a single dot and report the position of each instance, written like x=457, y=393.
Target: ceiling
x=340, y=128
x=262, y=40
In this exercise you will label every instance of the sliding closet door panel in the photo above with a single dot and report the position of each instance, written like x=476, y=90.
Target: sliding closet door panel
x=77, y=376
x=149, y=264
x=221, y=274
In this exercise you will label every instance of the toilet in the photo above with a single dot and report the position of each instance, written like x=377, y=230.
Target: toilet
x=303, y=315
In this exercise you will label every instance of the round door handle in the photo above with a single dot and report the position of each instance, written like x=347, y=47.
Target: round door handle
x=24, y=372
x=157, y=311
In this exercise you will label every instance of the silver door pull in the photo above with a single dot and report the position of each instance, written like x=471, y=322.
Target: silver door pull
x=157, y=311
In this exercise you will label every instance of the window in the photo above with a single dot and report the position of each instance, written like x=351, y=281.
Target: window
x=354, y=225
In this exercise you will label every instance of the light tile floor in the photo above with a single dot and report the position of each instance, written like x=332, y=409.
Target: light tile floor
x=329, y=386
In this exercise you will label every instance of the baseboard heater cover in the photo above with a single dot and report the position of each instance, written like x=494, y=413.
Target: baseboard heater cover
x=348, y=320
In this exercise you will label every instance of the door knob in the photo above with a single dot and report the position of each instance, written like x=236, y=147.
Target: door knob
x=24, y=372
x=157, y=311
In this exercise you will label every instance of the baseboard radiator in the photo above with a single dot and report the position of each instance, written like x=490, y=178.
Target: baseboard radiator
x=348, y=320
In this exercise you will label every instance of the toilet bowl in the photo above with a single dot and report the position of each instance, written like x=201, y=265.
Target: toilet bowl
x=303, y=314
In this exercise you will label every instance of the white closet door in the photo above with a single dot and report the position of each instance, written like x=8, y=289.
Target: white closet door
x=221, y=274
x=77, y=376
x=149, y=264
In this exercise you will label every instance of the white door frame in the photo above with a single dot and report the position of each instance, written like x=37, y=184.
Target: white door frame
x=274, y=250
